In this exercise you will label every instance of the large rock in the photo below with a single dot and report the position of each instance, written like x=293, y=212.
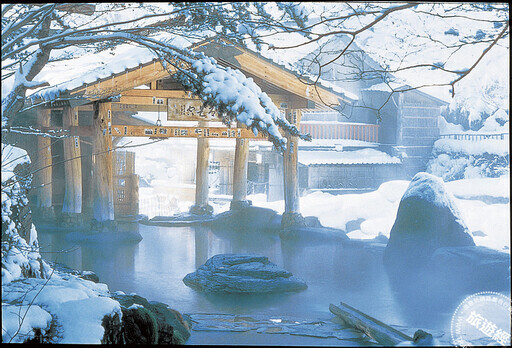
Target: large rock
x=242, y=273
x=305, y=233
x=248, y=218
x=475, y=268
x=145, y=322
x=427, y=219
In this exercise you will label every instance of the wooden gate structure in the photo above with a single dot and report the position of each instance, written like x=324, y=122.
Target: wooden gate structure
x=98, y=114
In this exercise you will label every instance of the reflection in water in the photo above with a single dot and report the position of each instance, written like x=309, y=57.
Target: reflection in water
x=155, y=267
x=201, y=244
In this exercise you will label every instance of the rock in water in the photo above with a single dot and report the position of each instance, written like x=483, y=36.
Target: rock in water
x=145, y=322
x=242, y=273
x=477, y=268
x=427, y=219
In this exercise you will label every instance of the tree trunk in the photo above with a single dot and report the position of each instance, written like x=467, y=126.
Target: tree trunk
x=372, y=327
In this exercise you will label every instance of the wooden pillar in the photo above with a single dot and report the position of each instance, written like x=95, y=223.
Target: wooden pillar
x=240, y=174
x=291, y=215
x=103, y=182
x=42, y=167
x=203, y=153
x=72, y=165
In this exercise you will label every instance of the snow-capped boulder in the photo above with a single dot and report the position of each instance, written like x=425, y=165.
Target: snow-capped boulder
x=242, y=273
x=427, y=219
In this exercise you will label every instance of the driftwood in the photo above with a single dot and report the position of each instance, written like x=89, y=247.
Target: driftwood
x=380, y=332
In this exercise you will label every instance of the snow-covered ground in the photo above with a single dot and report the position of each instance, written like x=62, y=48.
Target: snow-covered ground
x=76, y=306
x=484, y=205
x=488, y=223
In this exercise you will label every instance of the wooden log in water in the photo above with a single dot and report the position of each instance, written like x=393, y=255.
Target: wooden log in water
x=380, y=332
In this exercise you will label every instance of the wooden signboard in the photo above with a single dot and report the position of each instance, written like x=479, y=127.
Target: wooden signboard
x=183, y=132
x=181, y=109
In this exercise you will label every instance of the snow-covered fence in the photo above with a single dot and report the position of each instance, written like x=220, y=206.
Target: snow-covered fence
x=475, y=137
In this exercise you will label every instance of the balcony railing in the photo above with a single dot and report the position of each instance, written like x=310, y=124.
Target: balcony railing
x=340, y=130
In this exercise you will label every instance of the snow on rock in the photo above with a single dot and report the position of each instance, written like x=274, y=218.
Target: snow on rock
x=77, y=305
x=427, y=219
x=81, y=319
x=34, y=318
x=242, y=273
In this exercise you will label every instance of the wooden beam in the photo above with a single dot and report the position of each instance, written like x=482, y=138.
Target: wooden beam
x=42, y=167
x=184, y=132
x=127, y=80
x=240, y=170
x=103, y=195
x=72, y=165
x=253, y=64
x=256, y=65
x=380, y=332
x=159, y=93
x=138, y=97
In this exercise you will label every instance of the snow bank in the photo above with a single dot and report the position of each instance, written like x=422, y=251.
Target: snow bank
x=488, y=223
x=364, y=156
x=77, y=305
x=491, y=146
x=472, y=188
x=16, y=330
x=20, y=256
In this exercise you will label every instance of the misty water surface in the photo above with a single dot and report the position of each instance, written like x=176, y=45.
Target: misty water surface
x=155, y=267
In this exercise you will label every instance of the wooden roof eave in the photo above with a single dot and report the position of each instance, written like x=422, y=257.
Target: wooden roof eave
x=258, y=65
x=122, y=82
x=246, y=61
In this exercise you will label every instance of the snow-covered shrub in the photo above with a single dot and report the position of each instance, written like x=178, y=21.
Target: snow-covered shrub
x=20, y=255
x=464, y=159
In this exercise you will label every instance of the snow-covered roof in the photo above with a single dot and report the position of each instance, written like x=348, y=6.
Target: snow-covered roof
x=87, y=70
x=68, y=75
x=363, y=156
x=393, y=86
